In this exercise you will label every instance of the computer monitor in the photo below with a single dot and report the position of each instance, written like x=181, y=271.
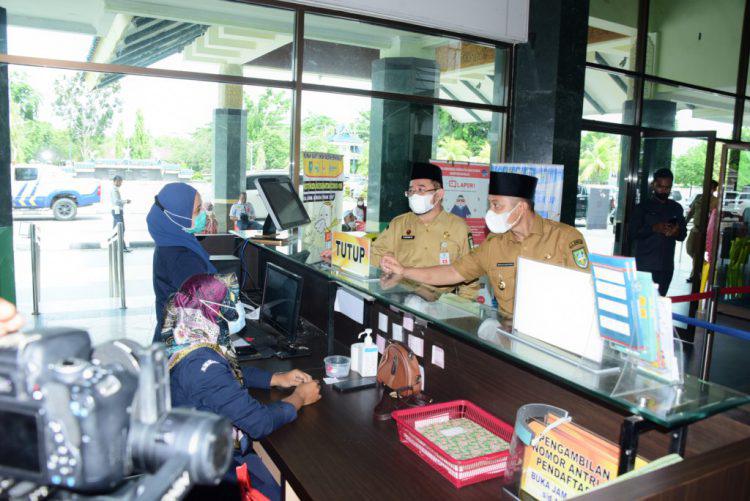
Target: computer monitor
x=282, y=294
x=285, y=209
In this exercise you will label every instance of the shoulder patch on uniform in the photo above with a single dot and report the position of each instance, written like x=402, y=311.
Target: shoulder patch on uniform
x=207, y=364
x=575, y=243
x=581, y=258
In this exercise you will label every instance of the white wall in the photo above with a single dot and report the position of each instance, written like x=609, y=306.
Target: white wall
x=502, y=20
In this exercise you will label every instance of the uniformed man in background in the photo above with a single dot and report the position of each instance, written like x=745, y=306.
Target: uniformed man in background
x=427, y=235
x=517, y=231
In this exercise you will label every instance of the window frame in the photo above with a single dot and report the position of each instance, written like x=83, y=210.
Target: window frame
x=296, y=83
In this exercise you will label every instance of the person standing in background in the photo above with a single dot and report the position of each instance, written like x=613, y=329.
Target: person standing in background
x=695, y=212
x=242, y=214
x=360, y=211
x=350, y=222
x=656, y=226
x=117, y=203
x=177, y=254
x=212, y=224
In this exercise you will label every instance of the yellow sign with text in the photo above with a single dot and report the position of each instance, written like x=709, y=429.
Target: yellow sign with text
x=566, y=461
x=322, y=165
x=351, y=252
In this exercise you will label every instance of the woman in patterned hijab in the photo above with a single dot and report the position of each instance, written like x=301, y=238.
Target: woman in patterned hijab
x=204, y=373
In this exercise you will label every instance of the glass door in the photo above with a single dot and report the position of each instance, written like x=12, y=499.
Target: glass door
x=689, y=155
x=601, y=194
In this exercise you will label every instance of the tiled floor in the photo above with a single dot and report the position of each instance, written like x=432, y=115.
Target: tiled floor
x=75, y=293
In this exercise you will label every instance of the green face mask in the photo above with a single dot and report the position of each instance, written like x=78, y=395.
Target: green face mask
x=200, y=223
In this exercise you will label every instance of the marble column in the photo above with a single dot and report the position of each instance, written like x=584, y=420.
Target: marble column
x=7, y=276
x=228, y=165
x=548, y=94
x=400, y=134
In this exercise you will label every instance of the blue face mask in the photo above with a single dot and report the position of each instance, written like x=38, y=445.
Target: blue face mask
x=200, y=223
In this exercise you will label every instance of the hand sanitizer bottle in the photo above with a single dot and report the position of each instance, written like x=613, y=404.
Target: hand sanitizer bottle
x=368, y=358
x=356, y=355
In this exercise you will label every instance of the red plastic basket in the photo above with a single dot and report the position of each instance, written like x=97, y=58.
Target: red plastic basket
x=460, y=472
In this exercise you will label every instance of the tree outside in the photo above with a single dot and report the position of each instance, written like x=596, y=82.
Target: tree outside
x=140, y=141
x=459, y=141
x=599, y=158
x=86, y=112
x=94, y=128
x=268, y=130
x=32, y=139
x=689, y=168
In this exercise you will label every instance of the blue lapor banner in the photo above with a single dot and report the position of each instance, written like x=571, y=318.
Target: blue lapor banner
x=548, y=199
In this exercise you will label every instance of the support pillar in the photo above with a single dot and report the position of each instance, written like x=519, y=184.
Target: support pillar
x=400, y=134
x=656, y=153
x=548, y=94
x=7, y=275
x=228, y=165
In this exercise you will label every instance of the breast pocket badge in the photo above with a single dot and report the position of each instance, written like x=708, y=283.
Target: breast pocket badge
x=445, y=258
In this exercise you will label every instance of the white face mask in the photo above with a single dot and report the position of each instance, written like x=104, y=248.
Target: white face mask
x=421, y=204
x=234, y=326
x=498, y=223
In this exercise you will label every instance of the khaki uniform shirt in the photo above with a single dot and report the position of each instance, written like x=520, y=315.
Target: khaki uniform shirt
x=415, y=244
x=549, y=241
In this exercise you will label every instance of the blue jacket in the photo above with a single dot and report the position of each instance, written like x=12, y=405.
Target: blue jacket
x=203, y=380
x=654, y=251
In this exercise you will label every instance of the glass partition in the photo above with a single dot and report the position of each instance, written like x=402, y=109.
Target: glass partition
x=613, y=28
x=608, y=97
x=348, y=53
x=695, y=42
x=212, y=36
x=670, y=107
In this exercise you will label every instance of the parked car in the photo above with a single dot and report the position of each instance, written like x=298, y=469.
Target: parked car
x=46, y=187
x=252, y=193
x=735, y=202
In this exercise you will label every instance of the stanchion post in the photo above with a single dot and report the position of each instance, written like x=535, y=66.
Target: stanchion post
x=35, y=268
x=709, y=343
x=121, y=264
x=111, y=256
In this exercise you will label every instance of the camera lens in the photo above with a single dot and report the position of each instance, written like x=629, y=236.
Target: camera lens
x=203, y=439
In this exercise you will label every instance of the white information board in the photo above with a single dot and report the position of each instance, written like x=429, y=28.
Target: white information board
x=556, y=305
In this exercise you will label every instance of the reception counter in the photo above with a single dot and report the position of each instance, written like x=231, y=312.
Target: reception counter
x=481, y=360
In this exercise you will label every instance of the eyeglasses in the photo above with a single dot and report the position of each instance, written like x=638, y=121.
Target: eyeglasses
x=419, y=191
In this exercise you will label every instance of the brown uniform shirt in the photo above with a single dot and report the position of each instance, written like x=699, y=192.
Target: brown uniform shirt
x=549, y=241
x=415, y=244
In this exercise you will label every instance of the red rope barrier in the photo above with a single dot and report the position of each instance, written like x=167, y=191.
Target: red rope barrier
x=706, y=295
x=691, y=297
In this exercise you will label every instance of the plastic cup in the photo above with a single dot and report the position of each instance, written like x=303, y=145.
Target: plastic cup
x=337, y=366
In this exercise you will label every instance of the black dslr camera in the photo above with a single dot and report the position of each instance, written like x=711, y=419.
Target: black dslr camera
x=86, y=426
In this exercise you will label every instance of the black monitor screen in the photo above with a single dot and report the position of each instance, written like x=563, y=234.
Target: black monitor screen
x=19, y=447
x=282, y=292
x=283, y=203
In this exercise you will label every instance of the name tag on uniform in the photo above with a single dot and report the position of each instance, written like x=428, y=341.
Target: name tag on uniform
x=445, y=258
x=505, y=265
x=407, y=237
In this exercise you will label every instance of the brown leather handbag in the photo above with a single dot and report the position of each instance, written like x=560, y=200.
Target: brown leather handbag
x=399, y=370
x=398, y=373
